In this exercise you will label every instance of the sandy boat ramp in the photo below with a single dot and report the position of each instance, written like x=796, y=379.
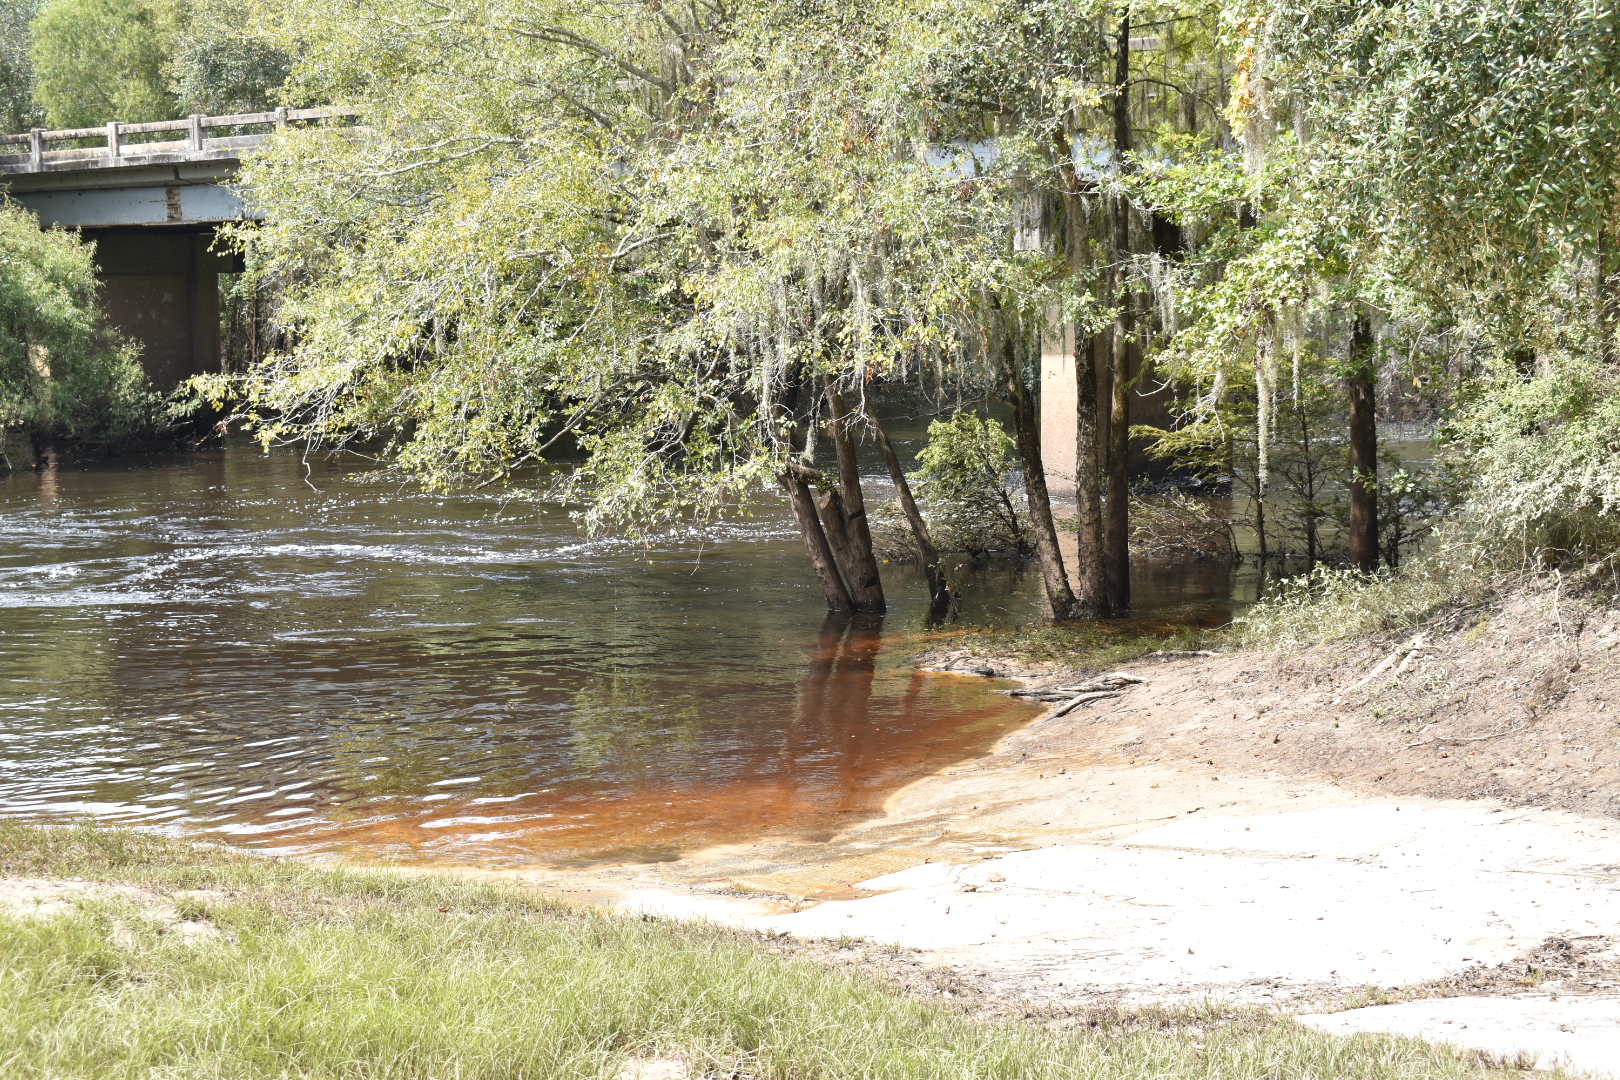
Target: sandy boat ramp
x=1069, y=870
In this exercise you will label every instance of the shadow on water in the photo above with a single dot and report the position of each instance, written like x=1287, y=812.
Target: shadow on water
x=215, y=647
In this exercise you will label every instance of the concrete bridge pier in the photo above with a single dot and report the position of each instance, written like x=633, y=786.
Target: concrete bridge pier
x=162, y=289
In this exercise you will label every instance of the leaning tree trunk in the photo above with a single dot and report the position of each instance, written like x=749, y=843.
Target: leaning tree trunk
x=853, y=544
x=1060, y=600
x=939, y=594
x=822, y=559
x=1363, y=448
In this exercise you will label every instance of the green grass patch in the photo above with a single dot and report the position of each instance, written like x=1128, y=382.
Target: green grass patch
x=1087, y=646
x=315, y=973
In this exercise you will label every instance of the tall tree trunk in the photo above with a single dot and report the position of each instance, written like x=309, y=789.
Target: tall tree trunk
x=1363, y=448
x=1091, y=575
x=1117, y=528
x=822, y=559
x=1308, y=464
x=860, y=563
x=939, y=596
x=1090, y=578
x=1608, y=292
x=1117, y=525
x=1060, y=601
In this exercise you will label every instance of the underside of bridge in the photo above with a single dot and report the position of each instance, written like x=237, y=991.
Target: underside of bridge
x=154, y=229
x=162, y=289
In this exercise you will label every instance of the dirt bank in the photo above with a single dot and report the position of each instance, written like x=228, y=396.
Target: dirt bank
x=1519, y=702
x=1422, y=819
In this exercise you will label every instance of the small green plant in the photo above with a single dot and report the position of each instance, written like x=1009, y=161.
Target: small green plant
x=963, y=480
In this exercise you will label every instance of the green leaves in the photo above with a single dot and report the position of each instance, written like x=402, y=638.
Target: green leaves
x=62, y=371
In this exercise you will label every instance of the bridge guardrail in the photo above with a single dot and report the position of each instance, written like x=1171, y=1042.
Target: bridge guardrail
x=115, y=146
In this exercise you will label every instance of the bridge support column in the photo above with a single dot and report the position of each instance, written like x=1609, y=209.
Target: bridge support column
x=162, y=289
x=1150, y=404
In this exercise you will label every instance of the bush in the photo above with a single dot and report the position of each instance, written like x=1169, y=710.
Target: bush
x=962, y=480
x=1179, y=526
x=1541, y=457
x=63, y=372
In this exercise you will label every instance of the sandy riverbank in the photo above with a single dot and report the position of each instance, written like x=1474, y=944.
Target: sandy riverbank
x=1165, y=845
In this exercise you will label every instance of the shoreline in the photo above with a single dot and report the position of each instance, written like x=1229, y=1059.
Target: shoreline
x=1099, y=861
x=1096, y=858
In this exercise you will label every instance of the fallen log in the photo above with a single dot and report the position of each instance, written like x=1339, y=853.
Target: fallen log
x=1082, y=699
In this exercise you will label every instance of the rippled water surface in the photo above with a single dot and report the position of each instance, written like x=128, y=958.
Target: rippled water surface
x=214, y=645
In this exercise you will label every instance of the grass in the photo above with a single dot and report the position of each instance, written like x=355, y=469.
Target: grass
x=1083, y=646
x=315, y=973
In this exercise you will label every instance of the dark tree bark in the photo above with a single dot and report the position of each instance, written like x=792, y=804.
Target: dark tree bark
x=822, y=559
x=1363, y=448
x=857, y=559
x=1060, y=601
x=1117, y=523
x=939, y=596
x=1308, y=484
x=1091, y=578
x=1116, y=527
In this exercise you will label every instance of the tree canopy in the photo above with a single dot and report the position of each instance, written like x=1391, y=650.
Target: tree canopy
x=62, y=371
x=690, y=245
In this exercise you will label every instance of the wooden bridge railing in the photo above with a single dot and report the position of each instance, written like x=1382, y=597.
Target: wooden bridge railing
x=118, y=144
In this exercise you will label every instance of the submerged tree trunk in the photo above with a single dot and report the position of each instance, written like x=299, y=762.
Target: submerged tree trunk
x=939, y=596
x=852, y=539
x=822, y=560
x=1363, y=448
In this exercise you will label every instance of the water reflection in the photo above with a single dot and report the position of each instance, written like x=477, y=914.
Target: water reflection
x=214, y=646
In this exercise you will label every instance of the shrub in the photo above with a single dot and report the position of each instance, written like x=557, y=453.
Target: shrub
x=1542, y=460
x=963, y=479
x=62, y=370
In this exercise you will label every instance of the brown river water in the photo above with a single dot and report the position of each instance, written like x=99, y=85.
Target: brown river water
x=213, y=645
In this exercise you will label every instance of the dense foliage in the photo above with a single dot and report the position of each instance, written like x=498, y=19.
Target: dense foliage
x=17, y=109
x=81, y=63
x=61, y=370
x=692, y=247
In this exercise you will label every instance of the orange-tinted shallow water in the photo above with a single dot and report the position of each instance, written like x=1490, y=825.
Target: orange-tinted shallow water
x=212, y=646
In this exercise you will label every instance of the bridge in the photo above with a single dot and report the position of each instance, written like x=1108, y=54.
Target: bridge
x=151, y=196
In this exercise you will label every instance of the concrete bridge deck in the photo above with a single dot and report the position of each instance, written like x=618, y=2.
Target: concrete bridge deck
x=120, y=174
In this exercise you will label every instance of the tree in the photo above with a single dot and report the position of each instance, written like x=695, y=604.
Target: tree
x=625, y=242
x=17, y=109
x=62, y=371
x=101, y=60
x=222, y=64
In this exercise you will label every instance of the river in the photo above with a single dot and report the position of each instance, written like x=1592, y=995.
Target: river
x=225, y=645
